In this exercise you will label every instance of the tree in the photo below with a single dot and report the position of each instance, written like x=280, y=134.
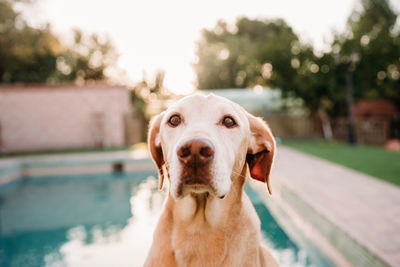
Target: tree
x=87, y=58
x=146, y=92
x=257, y=52
x=373, y=37
x=26, y=54
x=268, y=53
x=243, y=57
x=36, y=55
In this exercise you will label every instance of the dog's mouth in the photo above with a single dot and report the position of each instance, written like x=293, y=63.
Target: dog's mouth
x=195, y=189
x=196, y=176
x=194, y=181
x=196, y=185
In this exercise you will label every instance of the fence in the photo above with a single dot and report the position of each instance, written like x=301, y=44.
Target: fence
x=289, y=126
x=368, y=131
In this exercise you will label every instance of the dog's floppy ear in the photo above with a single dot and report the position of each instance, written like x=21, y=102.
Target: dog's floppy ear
x=261, y=150
x=155, y=146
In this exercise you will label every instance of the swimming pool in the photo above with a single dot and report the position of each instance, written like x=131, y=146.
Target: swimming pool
x=103, y=220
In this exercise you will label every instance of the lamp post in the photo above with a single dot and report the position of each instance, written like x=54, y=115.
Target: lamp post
x=350, y=99
x=350, y=64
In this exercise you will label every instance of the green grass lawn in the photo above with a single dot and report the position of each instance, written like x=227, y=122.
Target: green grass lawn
x=374, y=161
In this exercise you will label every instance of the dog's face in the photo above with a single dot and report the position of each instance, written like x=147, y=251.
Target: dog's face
x=203, y=143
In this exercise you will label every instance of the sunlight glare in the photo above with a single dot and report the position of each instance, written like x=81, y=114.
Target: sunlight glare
x=153, y=35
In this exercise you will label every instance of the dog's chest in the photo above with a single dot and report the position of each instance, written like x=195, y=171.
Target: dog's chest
x=198, y=248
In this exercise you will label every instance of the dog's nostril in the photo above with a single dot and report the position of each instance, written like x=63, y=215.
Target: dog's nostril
x=196, y=151
x=184, y=152
x=206, y=152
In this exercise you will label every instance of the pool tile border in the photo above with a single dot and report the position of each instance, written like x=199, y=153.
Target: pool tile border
x=31, y=167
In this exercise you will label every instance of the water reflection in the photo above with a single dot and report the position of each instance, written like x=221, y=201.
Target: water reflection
x=98, y=221
x=87, y=221
x=282, y=247
x=114, y=246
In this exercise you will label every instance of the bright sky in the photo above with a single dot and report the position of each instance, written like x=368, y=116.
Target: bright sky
x=159, y=34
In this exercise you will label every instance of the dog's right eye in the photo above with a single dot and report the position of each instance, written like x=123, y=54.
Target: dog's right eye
x=174, y=121
x=228, y=122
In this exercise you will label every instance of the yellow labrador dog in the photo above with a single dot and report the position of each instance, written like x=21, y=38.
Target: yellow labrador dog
x=204, y=145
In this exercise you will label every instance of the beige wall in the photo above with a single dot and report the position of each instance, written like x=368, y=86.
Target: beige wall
x=62, y=117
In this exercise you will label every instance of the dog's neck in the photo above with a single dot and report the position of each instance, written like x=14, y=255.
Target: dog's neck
x=205, y=211
x=199, y=221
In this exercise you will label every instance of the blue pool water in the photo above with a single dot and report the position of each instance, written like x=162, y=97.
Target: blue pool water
x=102, y=220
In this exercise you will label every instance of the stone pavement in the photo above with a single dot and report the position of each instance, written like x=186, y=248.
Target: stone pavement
x=364, y=208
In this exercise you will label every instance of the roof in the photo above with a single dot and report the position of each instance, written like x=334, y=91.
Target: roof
x=375, y=108
x=263, y=98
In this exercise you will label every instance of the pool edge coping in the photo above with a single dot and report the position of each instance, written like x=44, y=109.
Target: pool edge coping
x=13, y=169
x=333, y=241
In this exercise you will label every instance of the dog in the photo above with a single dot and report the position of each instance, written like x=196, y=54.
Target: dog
x=204, y=146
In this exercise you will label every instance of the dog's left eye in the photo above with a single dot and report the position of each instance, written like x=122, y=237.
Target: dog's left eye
x=174, y=121
x=228, y=122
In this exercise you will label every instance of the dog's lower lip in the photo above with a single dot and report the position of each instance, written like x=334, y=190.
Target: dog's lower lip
x=195, y=189
x=193, y=182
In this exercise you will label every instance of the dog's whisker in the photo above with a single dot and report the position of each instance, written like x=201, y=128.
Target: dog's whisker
x=239, y=174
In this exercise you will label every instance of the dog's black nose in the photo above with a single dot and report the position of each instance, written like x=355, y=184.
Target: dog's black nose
x=196, y=151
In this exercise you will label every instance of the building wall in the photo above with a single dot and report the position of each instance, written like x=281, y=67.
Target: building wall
x=37, y=118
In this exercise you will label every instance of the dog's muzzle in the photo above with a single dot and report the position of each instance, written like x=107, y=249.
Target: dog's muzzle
x=195, y=157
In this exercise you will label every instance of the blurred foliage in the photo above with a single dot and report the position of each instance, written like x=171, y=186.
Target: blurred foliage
x=147, y=90
x=268, y=53
x=374, y=38
x=29, y=54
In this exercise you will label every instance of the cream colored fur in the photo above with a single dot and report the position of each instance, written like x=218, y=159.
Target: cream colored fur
x=198, y=228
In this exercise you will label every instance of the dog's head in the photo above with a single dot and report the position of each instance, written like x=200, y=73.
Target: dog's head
x=202, y=143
